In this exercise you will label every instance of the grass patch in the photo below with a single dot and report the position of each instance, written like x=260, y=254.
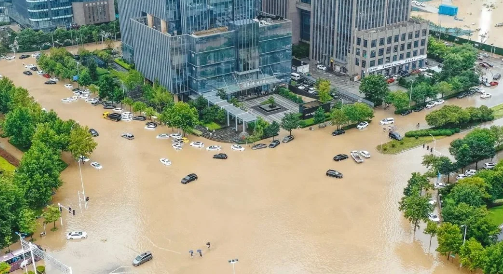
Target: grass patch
x=394, y=147
x=496, y=215
x=6, y=166
x=102, y=71
x=122, y=63
x=212, y=126
x=498, y=111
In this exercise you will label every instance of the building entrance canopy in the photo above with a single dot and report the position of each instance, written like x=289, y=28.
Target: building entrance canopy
x=230, y=109
x=244, y=85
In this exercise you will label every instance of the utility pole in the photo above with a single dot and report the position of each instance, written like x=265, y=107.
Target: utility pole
x=233, y=262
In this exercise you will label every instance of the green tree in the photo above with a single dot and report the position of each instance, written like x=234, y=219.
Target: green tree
x=6, y=94
x=182, y=116
x=133, y=80
x=272, y=130
x=222, y=94
x=106, y=87
x=319, y=116
x=270, y=101
x=431, y=229
x=290, y=122
x=471, y=191
x=21, y=98
x=85, y=79
x=81, y=142
x=19, y=125
x=415, y=208
x=399, y=99
x=461, y=153
x=323, y=88
x=438, y=164
x=449, y=116
x=27, y=222
x=416, y=184
x=338, y=117
x=51, y=215
x=472, y=255
x=481, y=142
x=358, y=112
x=492, y=179
x=420, y=92
x=93, y=70
x=494, y=259
x=128, y=101
x=4, y=268
x=139, y=106
x=443, y=88
x=11, y=197
x=149, y=111
x=161, y=98
x=449, y=239
x=47, y=136
x=375, y=88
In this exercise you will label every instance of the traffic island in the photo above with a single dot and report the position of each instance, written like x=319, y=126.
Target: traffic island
x=407, y=143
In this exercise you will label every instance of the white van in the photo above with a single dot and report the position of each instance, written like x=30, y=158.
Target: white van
x=295, y=76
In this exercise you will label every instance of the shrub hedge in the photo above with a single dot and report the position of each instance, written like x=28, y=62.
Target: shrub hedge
x=290, y=95
x=434, y=132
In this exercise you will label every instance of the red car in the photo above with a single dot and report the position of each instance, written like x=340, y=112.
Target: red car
x=483, y=65
x=390, y=80
x=493, y=83
x=46, y=75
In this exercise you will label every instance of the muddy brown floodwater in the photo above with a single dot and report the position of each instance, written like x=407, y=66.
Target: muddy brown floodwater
x=273, y=209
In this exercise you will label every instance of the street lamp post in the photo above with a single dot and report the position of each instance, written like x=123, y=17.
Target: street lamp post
x=22, y=248
x=410, y=93
x=233, y=262
x=81, y=181
x=464, y=240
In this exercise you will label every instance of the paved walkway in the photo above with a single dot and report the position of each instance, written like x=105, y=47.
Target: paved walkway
x=280, y=100
x=5, y=145
x=341, y=82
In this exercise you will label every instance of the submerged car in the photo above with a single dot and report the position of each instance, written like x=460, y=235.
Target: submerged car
x=274, y=144
x=94, y=132
x=128, y=136
x=340, y=157
x=362, y=125
x=334, y=173
x=222, y=156
x=189, y=178
x=237, y=148
x=197, y=144
x=74, y=235
x=338, y=132
x=259, y=146
x=288, y=139
x=406, y=112
x=142, y=258
x=213, y=148
x=364, y=153
x=96, y=165
x=140, y=118
x=162, y=136
x=165, y=161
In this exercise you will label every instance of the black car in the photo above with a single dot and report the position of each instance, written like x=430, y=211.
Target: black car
x=462, y=95
x=406, y=112
x=140, y=118
x=24, y=56
x=394, y=135
x=108, y=106
x=220, y=156
x=142, y=258
x=334, y=173
x=274, y=144
x=50, y=82
x=259, y=146
x=27, y=72
x=94, y=132
x=189, y=178
x=34, y=68
x=340, y=157
x=128, y=136
x=104, y=103
x=338, y=132
x=151, y=124
x=288, y=139
x=418, y=108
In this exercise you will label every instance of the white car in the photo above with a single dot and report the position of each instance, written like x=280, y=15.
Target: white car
x=150, y=126
x=10, y=57
x=177, y=146
x=423, y=69
x=311, y=90
x=91, y=100
x=197, y=144
x=364, y=153
x=237, y=148
x=321, y=67
x=40, y=72
x=83, y=159
x=213, y=148
x=432, y=202
x=66, y=100
x=69, y=86
x=54, y=79
x=362, y=125
x=439, y=102
x=75, y=235
x=470, y=172
x=439, y=185
x=433, y=218
x=301, y=87
x=489, y=165
x=35, y=55
x=96, y=165
x=461, y=176
x=162, y=136
x=84, y=96
x=387, y=121
x=73, y=98
x=165, y=161
x=118, y=109
x=485, y=95
x=431, y=104
x=29, y=66
x=176, y=135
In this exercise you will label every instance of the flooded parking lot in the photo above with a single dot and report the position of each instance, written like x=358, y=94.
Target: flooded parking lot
x=273, y=209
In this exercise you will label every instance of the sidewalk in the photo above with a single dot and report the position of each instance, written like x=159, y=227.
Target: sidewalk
x=5, y=145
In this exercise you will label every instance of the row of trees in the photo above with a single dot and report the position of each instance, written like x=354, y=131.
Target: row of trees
x=453, y=116
x=45, y=136
x=351, y=114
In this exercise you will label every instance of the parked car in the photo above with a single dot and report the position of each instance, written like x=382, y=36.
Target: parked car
x=27, y=72
x=24, y=56
x=433, y=218
x=94, y=132
x=395, y=135
x=140, y=118
x=406, y=112
x=321, y=67
x=259, y=146
x=75, y=235
x=493, y=83
x=34, y=69
x=362, y=125
x=96, y=165
x=418, y=108
x=189, y=178
x=49, y=82
x=340, y=157
x=485, y=95
x=338, y=132
x=364, y=153
x=142, y=258
x=461, y=95
x=390, y=80
x=128, y=136
x=387, y=121
x=274, y=144
x=439, y=102
x=470, y=172
x=334, y=173
x=197, y=144
x=213, y=148
x=288, y=139
x=431, y=104
x=222, y=156
x=237, y=148
x=489, y=165
x=165, y=161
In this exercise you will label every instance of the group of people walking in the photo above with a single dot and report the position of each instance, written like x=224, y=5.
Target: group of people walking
x=191, y=252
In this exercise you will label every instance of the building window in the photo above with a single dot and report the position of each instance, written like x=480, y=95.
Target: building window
x=414, y=53
x=305, y=25
x=396, y=38
x=423, y=42
x=394, y=58
x=364, y=43
x=421, y=51
x=381, y=52
x=387, y=59
x=409, y=45
x=395, y=48
x=403, y=36
x=416, y=44
x=357, y=62
x=416, y=34
x=358, y=41
x=373, y=43
x=357, y=51
x=389, y=39
x=402, y=47
x=379, y=61
x=364, y=63
x=381, y=42
x=410, y=35
x=388, y=50
x=372, y=54
x=401, y=56
x=364, y=53
x=372, y=63
x=424, y=32
x=408, y=54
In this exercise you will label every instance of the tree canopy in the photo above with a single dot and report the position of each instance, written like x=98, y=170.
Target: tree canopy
x=375, y=88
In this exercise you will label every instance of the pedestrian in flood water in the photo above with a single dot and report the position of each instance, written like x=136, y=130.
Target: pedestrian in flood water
x=423, y=145
x=200, y=252
x=431, y=150
x=427, y=147
x=191, y=252
x=208, y=245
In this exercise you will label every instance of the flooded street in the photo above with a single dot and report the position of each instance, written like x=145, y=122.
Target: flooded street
x=273, y=209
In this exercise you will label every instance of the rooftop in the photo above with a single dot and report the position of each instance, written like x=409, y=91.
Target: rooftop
x=211, y=31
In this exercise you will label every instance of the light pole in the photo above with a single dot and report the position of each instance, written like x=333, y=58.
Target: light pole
x=434, y=143
x=22, y=248
x=410, y=93
x=464, y=239
x=81, y=181
x=233, y=262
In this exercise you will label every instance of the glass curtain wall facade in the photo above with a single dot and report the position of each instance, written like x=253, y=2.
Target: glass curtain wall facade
x=198, y=46
x=45, y=13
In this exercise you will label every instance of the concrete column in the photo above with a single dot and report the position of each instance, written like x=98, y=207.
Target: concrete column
x=228, y=121
x=164, y=27
x=236, y=118
x=150, y=20
x=244, y=126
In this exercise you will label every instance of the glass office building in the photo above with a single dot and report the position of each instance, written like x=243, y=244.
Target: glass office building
x=43, y=14
x=200, y=46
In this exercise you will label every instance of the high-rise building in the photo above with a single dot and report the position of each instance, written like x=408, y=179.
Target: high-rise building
x=298, y=11
x=201, y=46
x=49, y=14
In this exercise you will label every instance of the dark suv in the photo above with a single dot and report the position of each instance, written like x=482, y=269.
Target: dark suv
x=338, y=132
x=142, y=258
x=274, y=144
x=394, y=135
x=189, y=178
